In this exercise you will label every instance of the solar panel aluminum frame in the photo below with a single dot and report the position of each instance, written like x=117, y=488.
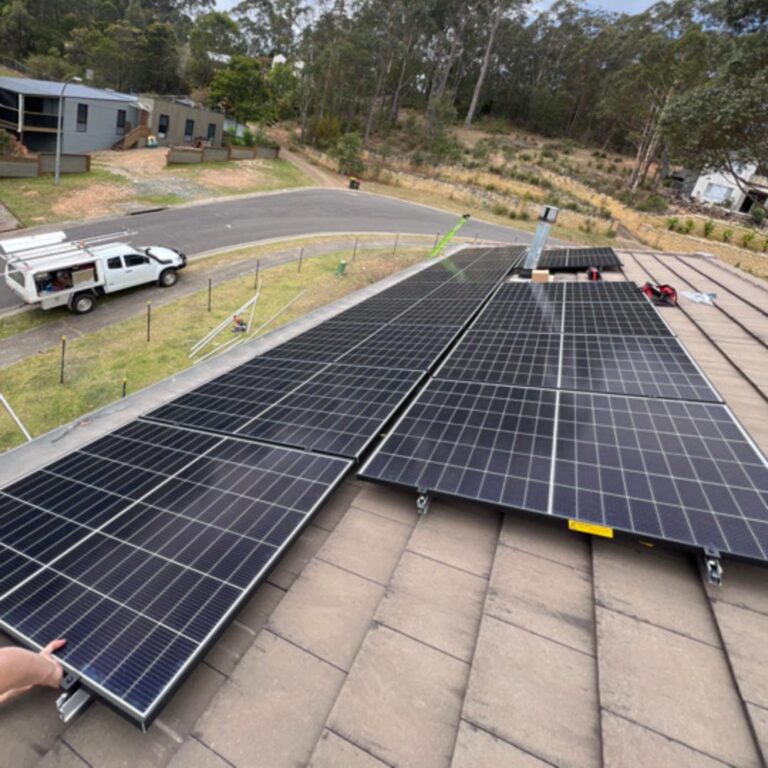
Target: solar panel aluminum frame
x=75, y=677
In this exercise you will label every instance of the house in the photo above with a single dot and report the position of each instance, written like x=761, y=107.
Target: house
x=176, y=121
x=93, y=118
x=720, y=187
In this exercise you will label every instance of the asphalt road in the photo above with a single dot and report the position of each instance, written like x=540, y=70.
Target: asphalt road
x=200, y=228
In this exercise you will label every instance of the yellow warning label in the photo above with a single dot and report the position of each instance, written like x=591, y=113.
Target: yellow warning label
x=595, y=530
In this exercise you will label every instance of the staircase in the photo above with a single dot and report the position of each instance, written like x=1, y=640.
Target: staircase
x=132, y=138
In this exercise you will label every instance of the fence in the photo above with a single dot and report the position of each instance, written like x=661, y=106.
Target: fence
x=219, y=154
x=37, y=165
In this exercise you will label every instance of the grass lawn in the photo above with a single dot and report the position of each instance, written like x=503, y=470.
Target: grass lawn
x=239, y=178
x=97, y=363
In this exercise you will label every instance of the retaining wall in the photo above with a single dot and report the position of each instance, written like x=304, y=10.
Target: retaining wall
x=220, y=154
x=37, y=165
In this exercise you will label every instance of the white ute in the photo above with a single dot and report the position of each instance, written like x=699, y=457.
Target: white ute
x=49, y=271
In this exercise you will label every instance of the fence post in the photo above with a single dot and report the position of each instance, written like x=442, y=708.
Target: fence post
x=354, y=253
x=301, y=258
x=397, y=239
x=477, y=234
x=210, y=283
x=63, y=353
x=256, y=276
x=149, y=319
x=125, y=385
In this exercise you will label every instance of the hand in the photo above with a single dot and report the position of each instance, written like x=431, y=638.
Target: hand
x=57, y=671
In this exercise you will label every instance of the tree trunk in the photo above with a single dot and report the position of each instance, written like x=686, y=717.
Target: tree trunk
x=495, y=21
x=393, y=111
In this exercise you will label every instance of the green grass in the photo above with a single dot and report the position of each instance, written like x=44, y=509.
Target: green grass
x=96, y=363
x=31, y=201
x=162, y=199
x=275, y=174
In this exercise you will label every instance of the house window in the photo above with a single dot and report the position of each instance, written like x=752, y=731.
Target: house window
x=120, y=129
x=718, y=193
x=163, y=126
x=82, y=118
x=211, y=131
x=189, y=130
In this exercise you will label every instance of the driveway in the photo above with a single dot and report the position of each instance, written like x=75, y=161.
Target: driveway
x=198, y=228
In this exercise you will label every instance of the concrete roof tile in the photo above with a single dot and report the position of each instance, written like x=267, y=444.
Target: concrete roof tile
x=334, y=752
x=327, y=612
x=536, y=694
x=550, y=539
x=476, y=748
x=193, y=754
x=402, y=701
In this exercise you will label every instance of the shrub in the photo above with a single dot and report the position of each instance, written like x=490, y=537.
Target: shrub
x=747, y=238
x=687, y=228
x=709, y=227
x=499, y=209
x=325, y=132
x=512, y=213
x=349, y=149
x=673, y=223
x=758, y=214
x=604, y=212
x=524, y=215
x=727, y=235
x=653, y=204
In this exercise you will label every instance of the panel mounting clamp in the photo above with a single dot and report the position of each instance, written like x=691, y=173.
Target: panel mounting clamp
x=423, y=501
x=713, y=566
x=73, y=699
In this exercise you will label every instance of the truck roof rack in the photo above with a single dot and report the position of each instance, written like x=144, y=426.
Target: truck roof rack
x=53, y=244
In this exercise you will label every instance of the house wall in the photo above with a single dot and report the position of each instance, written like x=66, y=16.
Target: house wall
x=722, y=179
x=178, y=114
x=101, y=128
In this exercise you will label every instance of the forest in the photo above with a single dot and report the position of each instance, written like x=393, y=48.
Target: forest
x=684, y=82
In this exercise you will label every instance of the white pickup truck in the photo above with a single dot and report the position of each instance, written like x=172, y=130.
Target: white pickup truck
x=49, y=271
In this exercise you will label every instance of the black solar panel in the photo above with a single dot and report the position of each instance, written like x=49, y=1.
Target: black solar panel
x=411, y=347
x=554, y=260
x=581, y=258
x=161, y=534
x=376, y=311
x=605, y=291
x=683, y=472
x=408, y=289
x=457, y=289
x=614, y=318
x=531, y=292
x=231, y=400
x=323, y=343
x=504, y=357
x=652, y=366
x=525, y=317
x=339, y=411
x=437, y=312
x=480, y=442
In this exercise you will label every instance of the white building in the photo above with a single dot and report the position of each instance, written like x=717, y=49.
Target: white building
x=721, y=188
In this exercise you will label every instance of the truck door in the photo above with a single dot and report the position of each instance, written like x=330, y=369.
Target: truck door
x=139, y=269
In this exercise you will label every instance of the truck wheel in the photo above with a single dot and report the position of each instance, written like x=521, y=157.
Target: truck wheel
x=168, y=277
x=83, y=303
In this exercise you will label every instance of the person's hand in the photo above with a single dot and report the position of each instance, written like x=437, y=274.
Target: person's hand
x=57, y=671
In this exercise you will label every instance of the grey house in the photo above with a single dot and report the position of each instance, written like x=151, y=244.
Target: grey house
x=177, y=121
x=93, y=118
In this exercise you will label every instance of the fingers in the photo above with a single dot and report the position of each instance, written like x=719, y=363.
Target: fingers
x=53, y=646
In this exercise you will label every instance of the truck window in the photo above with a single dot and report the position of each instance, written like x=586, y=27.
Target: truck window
x=134, y=260
x=114, y=263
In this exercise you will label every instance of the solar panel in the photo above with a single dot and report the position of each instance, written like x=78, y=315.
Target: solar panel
x=581, y=258
x=504, y=357
x=324, y=343
x=456, y=289
x=683, y=472
x=614, y=318
x=410, y=347
x=229, y=401
x=376, y=311
x=652, y=366
x=408, y=289
x=605, y=291
x=525, y=317
x=162, y=534
x=339, y=411
x=437, y=312
x=553, y=260
x=476, y=441
x=531, y=292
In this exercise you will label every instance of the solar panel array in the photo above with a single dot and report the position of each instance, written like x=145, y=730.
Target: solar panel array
x=140, y=547
x=577, y=401
x=556, y=259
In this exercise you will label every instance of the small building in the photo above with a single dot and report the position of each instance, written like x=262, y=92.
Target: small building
x=93, y=118
x=720, y=187
x=176, y=121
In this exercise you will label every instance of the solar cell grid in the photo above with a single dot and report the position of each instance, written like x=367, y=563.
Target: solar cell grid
x=524, y=317
x=409, y=290
x=164, y=532
x=530, y=292
x=652, y=366
x=339, y=411
x=410, y=347
x=605, y=291
x=431, y=312
x=554, y=260
x=462, y=290
x=376, y=311
x=673, y=470
x=503, y=357
x=324, y=342
x=481, y=442
x=612, y=318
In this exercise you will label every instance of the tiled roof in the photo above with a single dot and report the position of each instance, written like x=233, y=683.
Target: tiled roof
x=468, y=638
